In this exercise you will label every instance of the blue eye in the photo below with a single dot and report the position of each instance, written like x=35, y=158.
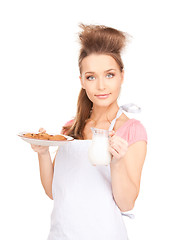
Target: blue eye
x=90, y=78
x=110, y=75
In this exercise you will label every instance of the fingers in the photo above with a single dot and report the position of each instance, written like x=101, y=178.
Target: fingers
x=114, y=153
x=111, y=133
x=42, y=130
x=35, y=147
x=118, y=140
x=40, y=149
x=117, y=146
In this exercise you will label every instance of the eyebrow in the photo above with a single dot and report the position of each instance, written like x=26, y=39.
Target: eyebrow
x=104, y=71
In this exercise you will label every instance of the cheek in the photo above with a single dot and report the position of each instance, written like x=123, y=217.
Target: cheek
x=115, y=88
x=89, y=93
x=115, y=85
x=90, y=88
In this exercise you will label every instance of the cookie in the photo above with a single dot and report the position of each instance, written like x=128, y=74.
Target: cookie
x=45, y=136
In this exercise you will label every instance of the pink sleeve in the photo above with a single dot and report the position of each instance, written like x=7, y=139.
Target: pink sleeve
x=137, y=132
x=67, y=124
x=133, y=131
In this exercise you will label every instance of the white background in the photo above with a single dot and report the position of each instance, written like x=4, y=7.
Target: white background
x=39, y=80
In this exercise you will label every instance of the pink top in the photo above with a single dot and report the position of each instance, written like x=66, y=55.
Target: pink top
x=132, y=131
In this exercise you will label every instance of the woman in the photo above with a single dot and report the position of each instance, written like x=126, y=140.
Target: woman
x=89, y=200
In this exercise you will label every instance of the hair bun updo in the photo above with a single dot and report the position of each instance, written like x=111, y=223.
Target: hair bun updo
x=102, y=40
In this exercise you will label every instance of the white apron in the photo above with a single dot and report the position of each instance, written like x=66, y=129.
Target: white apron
x=84, y=207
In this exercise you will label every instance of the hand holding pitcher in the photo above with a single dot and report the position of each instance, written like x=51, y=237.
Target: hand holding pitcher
x=117, y=146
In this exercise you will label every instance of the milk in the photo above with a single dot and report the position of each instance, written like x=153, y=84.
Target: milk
x=99, y=150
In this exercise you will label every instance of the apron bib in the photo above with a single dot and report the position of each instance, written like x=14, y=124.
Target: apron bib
x=84, y=206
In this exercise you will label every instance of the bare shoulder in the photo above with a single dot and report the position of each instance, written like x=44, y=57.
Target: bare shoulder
x=120, y=121
x=124, y=118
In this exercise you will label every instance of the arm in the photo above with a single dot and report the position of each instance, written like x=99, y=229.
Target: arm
x=126, y=169
x=46, y=166
x=46, y=172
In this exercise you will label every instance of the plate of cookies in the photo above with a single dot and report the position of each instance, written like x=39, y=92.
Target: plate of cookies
x=45, y=139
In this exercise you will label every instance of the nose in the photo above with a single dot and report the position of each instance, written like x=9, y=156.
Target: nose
x=100, y=84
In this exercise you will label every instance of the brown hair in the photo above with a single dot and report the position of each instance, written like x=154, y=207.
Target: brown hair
x=96, y=39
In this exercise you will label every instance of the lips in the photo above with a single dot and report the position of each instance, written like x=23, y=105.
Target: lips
x=102, y=96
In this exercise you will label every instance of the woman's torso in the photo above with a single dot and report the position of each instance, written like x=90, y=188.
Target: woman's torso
x=84, y=206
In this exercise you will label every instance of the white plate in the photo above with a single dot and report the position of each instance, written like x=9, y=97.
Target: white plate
x=45, y=142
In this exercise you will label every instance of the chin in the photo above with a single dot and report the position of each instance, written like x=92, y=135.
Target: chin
x=103, y=104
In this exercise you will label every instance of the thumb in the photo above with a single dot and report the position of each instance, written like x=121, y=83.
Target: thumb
x=42, y=130
x=111, y=133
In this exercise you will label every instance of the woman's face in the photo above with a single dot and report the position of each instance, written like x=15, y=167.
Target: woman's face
x=101, y=78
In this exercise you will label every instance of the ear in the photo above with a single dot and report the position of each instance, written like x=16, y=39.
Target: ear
x=82, y=82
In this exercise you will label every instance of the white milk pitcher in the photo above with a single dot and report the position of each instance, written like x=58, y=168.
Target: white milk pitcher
x=99, y=150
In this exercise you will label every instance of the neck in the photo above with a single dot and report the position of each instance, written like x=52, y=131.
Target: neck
x=100, y=114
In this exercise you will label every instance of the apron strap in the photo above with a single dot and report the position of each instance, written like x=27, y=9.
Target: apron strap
x=131, y=216
x=114, y=120
x=131, y=108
